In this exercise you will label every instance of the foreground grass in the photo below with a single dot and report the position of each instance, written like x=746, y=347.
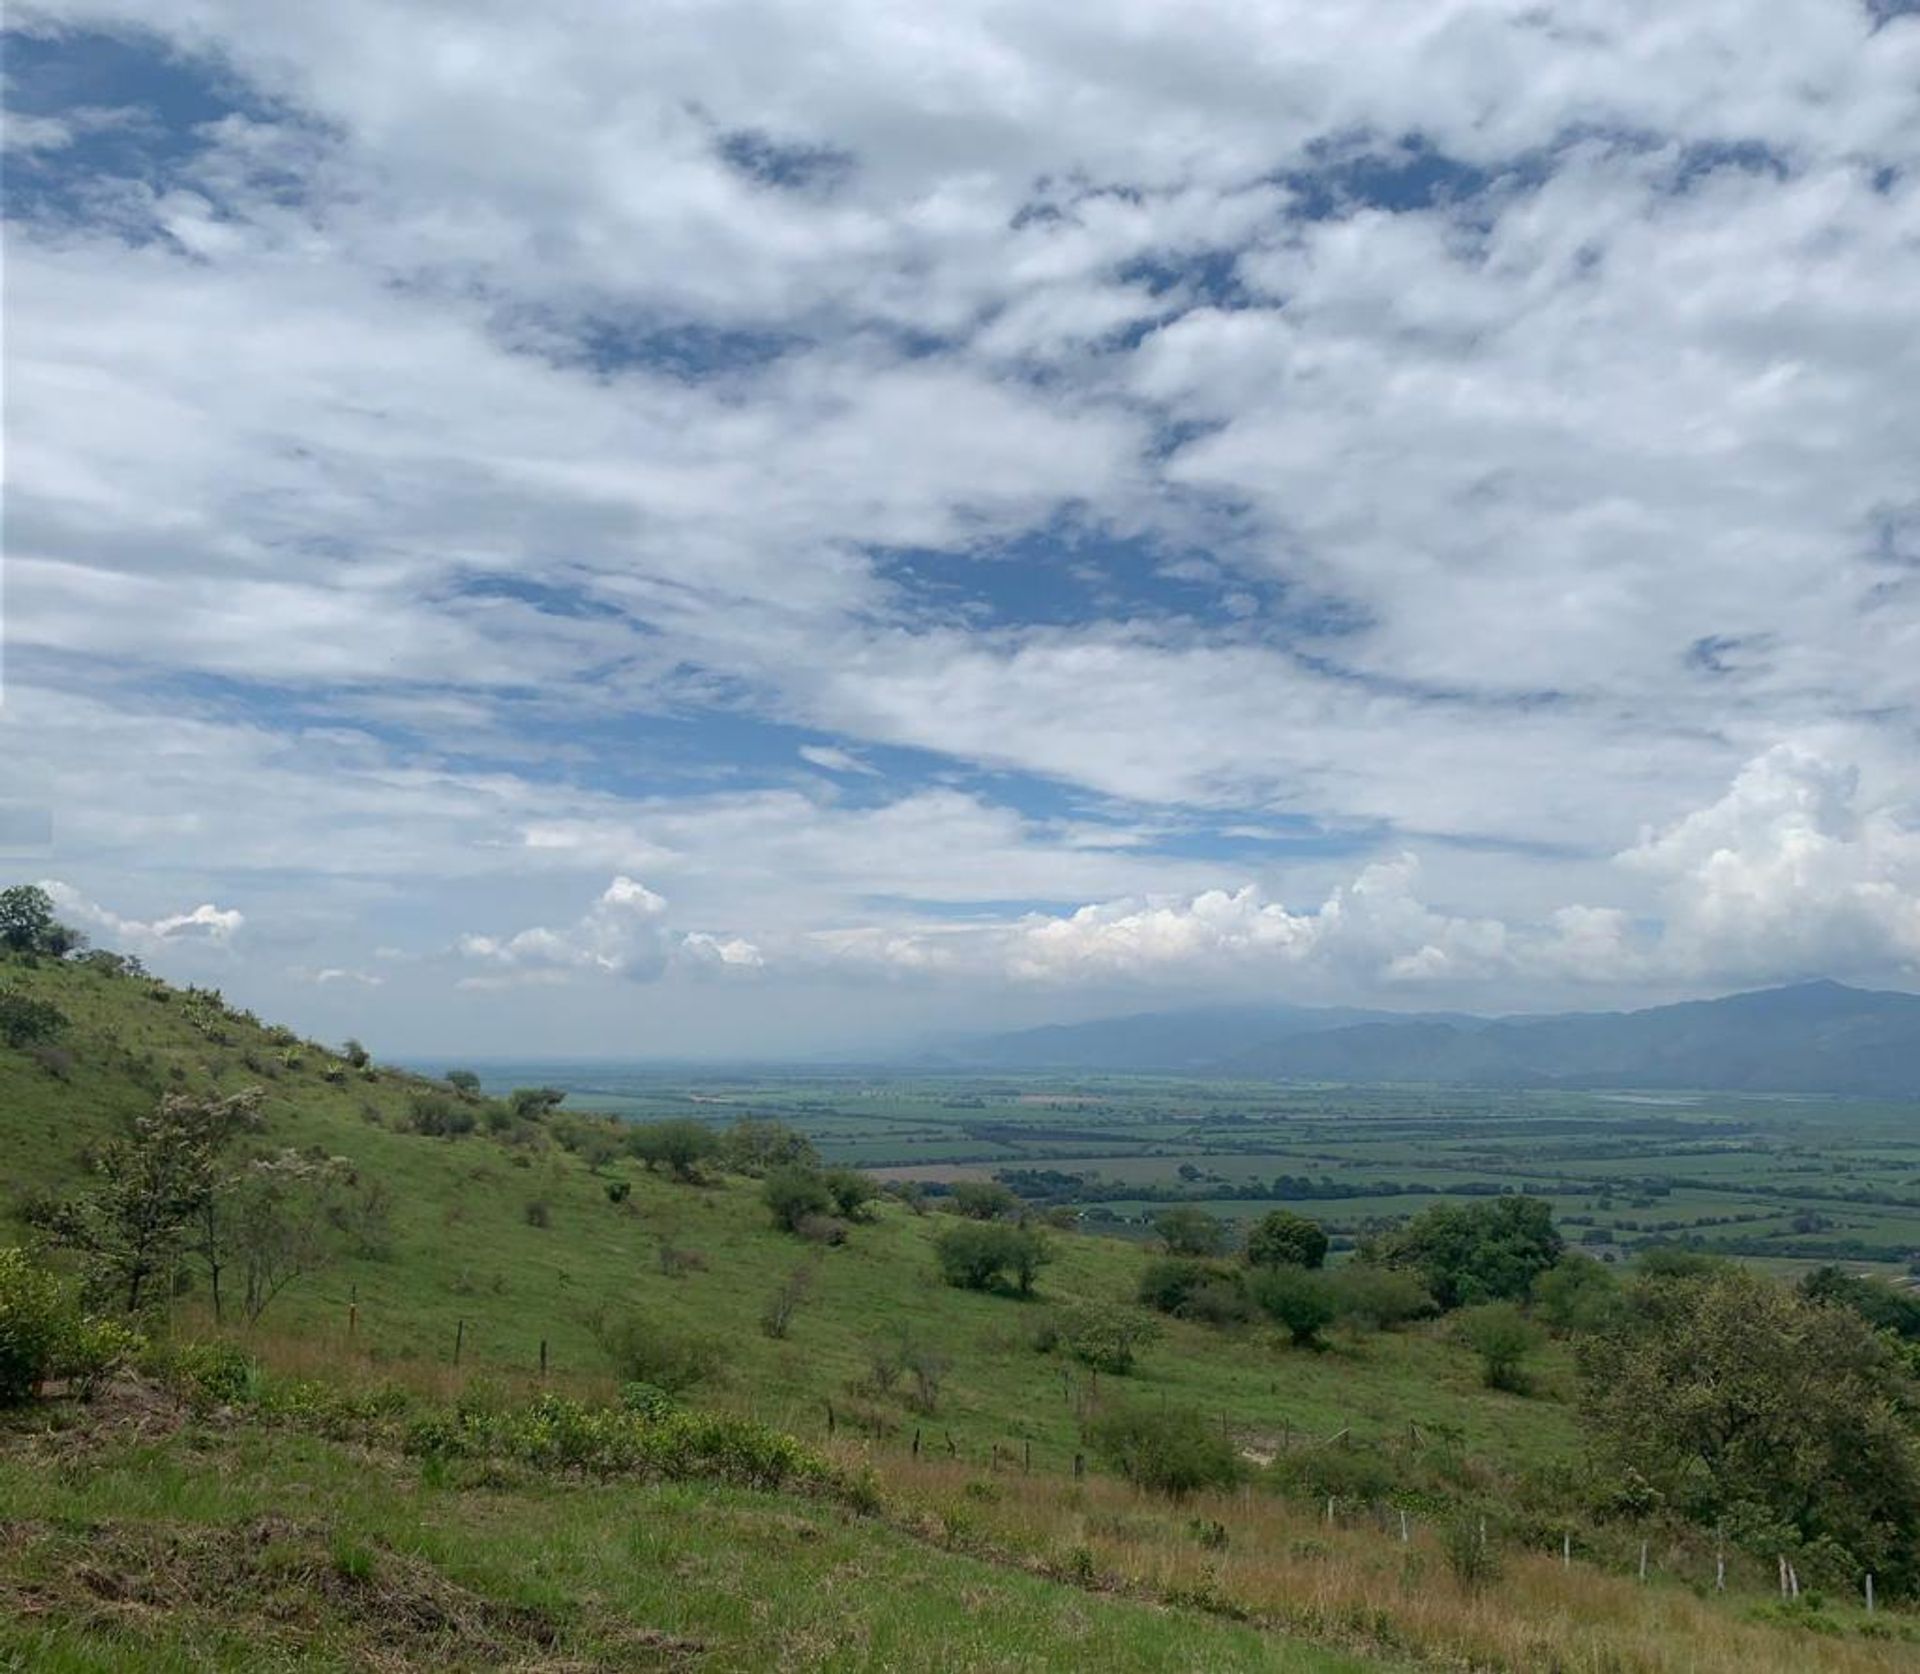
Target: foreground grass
x=251, y=1549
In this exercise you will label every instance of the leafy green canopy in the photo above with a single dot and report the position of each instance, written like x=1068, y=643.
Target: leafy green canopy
x=1472, y=1253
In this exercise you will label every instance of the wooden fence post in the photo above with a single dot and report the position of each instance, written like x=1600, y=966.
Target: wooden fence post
x=916, y=1441
x=1566, y=1550
x=1079, y=1464
x=543, y=1357
x=459, y=1339
x=1869, y=1592
x=1643, y=1560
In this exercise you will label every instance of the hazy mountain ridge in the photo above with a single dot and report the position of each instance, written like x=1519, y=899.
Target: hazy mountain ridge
x=1813, y=1037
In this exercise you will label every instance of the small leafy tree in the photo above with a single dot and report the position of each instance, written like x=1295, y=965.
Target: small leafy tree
x=1297, y=1299
x=153, y=1190
x=776, y=1319
x=534, y=1104
x=1378, y=1298
x=756, y=1145
x=281, y=1213
x=795, y=1195
x=1187, y=1231
x=680, y=1146
x=983, y=1200
x=463, y=1082
x=1505, y=1339
x=1105, y=1337
x=1284, y=1239
x=852, y=1191
x=1192, y=1289
x=1172, y=1451
x=1577, y=1293
x=356, y=1055
x=979, y=1256
x=1477, y=1252
x=45, y=1335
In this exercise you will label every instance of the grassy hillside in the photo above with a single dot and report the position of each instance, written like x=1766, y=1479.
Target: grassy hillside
x=982, y=1547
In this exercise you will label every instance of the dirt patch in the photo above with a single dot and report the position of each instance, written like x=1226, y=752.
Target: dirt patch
x=299, y=1586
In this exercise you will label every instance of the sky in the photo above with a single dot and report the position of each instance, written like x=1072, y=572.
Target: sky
x=760, y=528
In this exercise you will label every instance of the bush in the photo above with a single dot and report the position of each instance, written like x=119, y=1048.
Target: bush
x=356, y=1055
x=793, y=1195
x=679, y=1146
x=438, y=1113
x=463, y=1082
x=852, y=1191
x=776, y=1318
x=1503, y=1337
x=1171, y=1451
x=1105, y=1338
x=1379, y=1298
x=25, y=1021
x=989, y=1253
x=1191, y=1289
x=983, y=1200
x=1187, y=1231
x=1469, y=1556
x=1284, y=1239
x=829, y=1230
x=756, y=1145
x=618, y=1191
x=36, y=1319
x=1577, y=1294
x=646, y=1351
x=538, y=1213
x=1297, y=1299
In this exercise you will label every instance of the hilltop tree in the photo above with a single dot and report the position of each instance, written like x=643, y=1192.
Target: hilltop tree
x=1300, y=1300
x=680, y=1145
x=27, y=924
x=1282, y=1239
x=983, y=1200
x=978, y=1257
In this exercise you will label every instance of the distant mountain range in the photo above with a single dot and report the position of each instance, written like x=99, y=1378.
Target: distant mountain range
x=1813, y=1037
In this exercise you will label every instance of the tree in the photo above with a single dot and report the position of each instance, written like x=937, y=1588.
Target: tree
x=27, y=923
x=534, y=1104
x=1187, y=1231
x=1504, y=1338
x=1479, y=1252
x=794, y=1195
x=1284, y=1239
x=680, y=1146
x=755, y=1145
x=980, y=1256
x=983, y=1200
x=155, y=1192
x=278, y=1217
x=464, y=1082
x=25, y=1021
x=1880, y=1304
x=1788, y=1422
x=1300, y=1300
x=356, y=1054
x=1192, y=1289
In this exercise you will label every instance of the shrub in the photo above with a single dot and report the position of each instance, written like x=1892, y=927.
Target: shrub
x=646, y=1351
x=776, y=1318
x=1379, y=1298
x=356, y=1055
x=1503, y=1337
x=538, y=1212
x=679, y=1146
x=1171, y=1451
x=1193, y=1290
x=440, y=1114
x=852, y=1191
x=618, y=1191
x=42, y=1331
x=25, y=1021
x=533, y=1104
x=1105, y=1338
x=1187, y=1231
x=1577, y=1293
x=1284, y=1239
x=983, y=1200
x=1297, y=1299
x=1469, y=1556
x=793, y=1194
x=983, y=1255
x=463, y=1082
x=829, y=1230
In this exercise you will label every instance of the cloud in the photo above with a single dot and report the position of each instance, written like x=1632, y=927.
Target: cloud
x=334, y=974
x=623, y=934
x=205, y=925
x=834, y=759
x=1794, y=869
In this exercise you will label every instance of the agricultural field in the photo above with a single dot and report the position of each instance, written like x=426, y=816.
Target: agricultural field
x=1783, y=1180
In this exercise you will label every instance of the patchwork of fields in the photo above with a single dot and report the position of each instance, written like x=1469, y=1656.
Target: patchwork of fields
x=1792, y=1180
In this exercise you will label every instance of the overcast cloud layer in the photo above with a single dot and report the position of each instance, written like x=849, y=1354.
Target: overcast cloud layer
x=787, y=527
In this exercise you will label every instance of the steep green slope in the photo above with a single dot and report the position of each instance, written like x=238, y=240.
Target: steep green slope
x=469, y=1264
